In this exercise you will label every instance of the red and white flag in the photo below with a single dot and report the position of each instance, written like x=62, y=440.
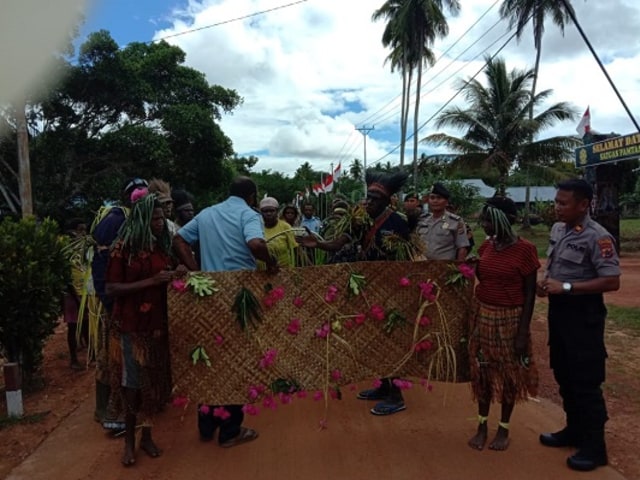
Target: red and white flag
x=584, y=126
x=337, y=172
x=327, y=184
x=317, y=189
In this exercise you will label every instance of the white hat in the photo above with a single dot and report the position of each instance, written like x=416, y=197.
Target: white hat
x=269, y=202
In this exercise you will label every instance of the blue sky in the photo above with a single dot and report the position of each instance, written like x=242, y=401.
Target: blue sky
x=312, y=72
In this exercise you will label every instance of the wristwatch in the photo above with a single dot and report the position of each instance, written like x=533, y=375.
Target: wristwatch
x=566, y=287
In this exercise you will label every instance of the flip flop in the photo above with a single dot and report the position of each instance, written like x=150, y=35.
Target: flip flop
x=245, y=435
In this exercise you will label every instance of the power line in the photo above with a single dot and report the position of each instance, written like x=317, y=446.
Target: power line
x=255, y=14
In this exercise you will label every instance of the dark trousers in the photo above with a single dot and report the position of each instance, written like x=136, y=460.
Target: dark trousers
x=393, y=394
x=578, y=354
x=229, y=428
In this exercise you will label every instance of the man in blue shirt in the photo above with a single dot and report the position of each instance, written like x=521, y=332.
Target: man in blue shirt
x=231, y=237
x=309, y=220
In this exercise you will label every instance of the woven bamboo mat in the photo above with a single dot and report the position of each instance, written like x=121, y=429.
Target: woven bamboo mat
x=273, y=350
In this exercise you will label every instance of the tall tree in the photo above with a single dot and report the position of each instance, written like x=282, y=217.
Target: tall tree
x=522, y=12
x=412, y=28
x=498, y=131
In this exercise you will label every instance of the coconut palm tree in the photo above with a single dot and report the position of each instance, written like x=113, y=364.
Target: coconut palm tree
x=412, y=28
x=520, y=13
x=498, y=131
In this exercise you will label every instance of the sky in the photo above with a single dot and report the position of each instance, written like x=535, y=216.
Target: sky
x=312, y=72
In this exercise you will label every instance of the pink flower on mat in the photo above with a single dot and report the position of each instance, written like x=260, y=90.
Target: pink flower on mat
x=250, y=409
x=268, y=358
x=180, y=401
x=318, y=395
x=336, y=375
x=268, y=301
x=424, y=321
x=285, y=398
x=323, y=332
x=402, y=384
x=405, y=282
x=269, y=402
x=294, y=326
x=427, y=290
x=219, y=340
x=204, y=409
x=334, y=393
x=221, y=413
x=179, y=284
x=277, y=293
x=301, y=394
x=298, y=302
x=423, y=346
x=466, y=270
x=360, y=318
x=331, y=294
x=425, y=383
x=377, y=312
x=377, y=383
x=255, y=391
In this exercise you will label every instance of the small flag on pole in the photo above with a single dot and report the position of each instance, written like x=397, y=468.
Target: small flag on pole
x=584, y=126
x=337, y=172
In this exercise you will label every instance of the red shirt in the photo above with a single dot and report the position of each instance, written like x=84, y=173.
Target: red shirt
x=144, y=310
x=502, y=273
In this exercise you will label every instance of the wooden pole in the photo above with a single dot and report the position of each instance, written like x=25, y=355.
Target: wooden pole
x=24, y=164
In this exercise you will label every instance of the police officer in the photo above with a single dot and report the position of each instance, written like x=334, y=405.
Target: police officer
x=582, y=264
x=443, y=233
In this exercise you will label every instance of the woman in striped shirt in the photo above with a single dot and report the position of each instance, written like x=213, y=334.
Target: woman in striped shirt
x=502, y=369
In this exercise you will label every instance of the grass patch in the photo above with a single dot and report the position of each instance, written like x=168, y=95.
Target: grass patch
x=625, y=318
x=6, y=422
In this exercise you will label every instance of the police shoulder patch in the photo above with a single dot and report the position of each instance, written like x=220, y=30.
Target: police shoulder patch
x=605, y=245
x=454, y=216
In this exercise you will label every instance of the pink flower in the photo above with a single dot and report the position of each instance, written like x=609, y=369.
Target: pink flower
x=405, y=282
x=268, y=358
x=323, y=424
x=423, y=346
x=294, y=326
x=277, y=293
x=298, y=302
x=301, y=394
x=348, y=324
x=138, y=193
x=268, y=301
x=180, y=401
x=269, y=402
x=323, y=332
x=424, y=321
x=427, y=290
x=219, y=340
x=221, y=413
x=466, y=270
x=360, y=318
x=255, y=391
x=204, y=409
x=377, y=383
x=179, y=285
x=250, y=409
x=285, y=398
x=377, y=312
x=318, y=395
x=425, y=383
x=334, y=393
x=336, y=375
x=402, y=384
x=331, y=294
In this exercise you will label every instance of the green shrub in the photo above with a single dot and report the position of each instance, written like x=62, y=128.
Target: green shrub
x=33, y=273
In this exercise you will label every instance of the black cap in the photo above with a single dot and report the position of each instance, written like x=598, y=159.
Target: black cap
x=440, y=189
x=134, y=183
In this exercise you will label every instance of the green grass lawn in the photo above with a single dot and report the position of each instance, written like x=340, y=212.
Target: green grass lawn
x=539, y=236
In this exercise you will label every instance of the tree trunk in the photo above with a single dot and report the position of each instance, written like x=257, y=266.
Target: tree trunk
x=24, y=165
x=416, y=115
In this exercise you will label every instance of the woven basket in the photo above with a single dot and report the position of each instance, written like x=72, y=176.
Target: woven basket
x=351, y=352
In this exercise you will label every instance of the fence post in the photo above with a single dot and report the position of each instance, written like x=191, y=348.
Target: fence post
x=13, y=389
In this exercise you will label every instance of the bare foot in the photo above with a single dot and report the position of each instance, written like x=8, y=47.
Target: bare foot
x=150, y=448
x=128, y=457
x=501, y=440
x=478, y=441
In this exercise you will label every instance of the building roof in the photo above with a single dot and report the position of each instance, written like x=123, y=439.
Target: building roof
x=484, y=190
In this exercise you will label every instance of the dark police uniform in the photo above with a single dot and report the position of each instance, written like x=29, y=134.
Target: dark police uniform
x=442, y=236
x=576, y=327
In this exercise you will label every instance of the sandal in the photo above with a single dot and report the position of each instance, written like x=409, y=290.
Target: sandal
x=388, y=408
x=245, y=435
x=373, y=394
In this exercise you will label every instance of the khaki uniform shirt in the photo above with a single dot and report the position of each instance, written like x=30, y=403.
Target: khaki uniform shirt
x=584, y=252
x=442, y=236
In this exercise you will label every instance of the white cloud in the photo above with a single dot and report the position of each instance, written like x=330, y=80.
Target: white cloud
x=313, y=72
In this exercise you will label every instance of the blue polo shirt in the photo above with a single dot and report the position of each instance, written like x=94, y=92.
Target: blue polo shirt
x=223, y=231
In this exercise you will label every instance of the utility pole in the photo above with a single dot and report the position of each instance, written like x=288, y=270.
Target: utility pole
x=364, y=131
x=24, y=166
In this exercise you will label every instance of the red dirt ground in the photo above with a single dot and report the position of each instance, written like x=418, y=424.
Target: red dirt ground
x=70, y=394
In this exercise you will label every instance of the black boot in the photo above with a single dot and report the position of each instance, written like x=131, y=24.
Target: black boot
x=566, y=437
x=593, y=453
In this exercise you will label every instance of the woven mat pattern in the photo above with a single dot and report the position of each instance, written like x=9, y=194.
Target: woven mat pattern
x=350, y=353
